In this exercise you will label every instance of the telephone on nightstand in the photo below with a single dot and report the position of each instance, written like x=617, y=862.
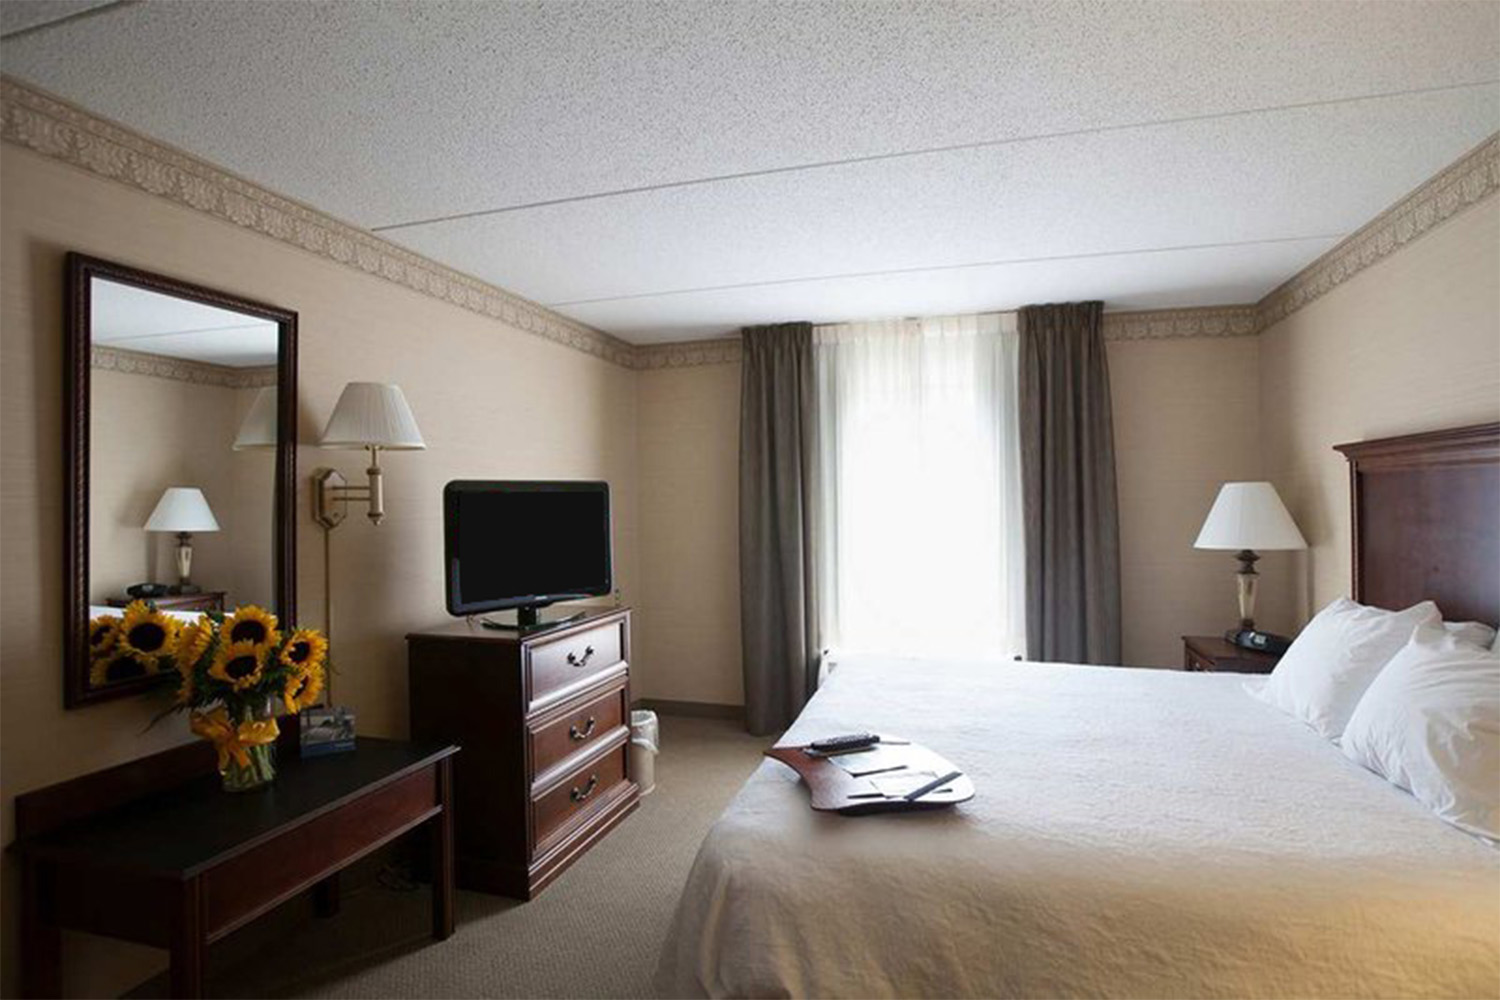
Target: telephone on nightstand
x=1264, y=642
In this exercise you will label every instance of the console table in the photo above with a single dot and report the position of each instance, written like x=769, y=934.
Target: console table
x=154, y=851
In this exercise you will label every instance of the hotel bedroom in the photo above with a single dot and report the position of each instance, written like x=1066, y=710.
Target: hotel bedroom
x=460, y=457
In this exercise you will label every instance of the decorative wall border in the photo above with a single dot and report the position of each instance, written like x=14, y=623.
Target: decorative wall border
x=116, y=359
x=1472, y=178
x=63, y=131
x=688, y=353
x=1171, y=324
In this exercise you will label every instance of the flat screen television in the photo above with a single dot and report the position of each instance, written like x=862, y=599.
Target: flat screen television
x=524, y=545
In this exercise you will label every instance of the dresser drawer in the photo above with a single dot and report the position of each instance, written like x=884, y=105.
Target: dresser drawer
x=576, y=729
x=558, y=667
x=577, y=794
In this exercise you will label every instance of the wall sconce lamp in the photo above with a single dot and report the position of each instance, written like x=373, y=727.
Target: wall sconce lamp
x=372, y=416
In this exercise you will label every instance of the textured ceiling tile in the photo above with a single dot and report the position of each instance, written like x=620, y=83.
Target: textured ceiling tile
x=1311, y=172
x=1143, y=281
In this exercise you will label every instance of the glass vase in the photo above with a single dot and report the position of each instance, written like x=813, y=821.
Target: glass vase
x=259, y=768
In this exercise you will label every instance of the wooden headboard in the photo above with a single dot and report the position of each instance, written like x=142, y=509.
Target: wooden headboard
x=1427, y=521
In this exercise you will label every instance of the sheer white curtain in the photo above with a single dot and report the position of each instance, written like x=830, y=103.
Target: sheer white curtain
x=920, y=486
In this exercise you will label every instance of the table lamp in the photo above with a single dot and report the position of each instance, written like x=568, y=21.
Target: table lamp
x=1249, y=517
x=183, y=509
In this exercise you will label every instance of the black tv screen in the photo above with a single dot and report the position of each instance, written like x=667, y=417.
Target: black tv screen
x=524, y=544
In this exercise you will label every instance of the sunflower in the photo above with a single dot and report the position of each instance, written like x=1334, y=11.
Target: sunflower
x=254, y=625
x=146, y=633
x=305, y=649
x=238, y=664
x=121, y=665
x=187, y=689
x=192, y=642
x=303, y=687
x=104, y=631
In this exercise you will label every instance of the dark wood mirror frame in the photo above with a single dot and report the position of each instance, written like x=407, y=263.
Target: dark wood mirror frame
x=77, y=382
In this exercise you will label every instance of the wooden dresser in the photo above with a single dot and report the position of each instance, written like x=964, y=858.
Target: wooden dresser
x=544, y=720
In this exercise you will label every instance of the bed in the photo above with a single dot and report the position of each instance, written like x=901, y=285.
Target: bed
x=105, y=611
x=1136, y=832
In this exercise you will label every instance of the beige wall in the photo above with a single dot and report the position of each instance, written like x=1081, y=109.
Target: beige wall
x=491, y=401
x=1186, y=420
x=688, y=643
x=1410, y=344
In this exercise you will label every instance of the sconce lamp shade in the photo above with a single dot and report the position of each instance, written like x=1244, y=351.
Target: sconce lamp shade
x=372, y=415
x=1249, y=516
x=182, y=508
x=258, y=429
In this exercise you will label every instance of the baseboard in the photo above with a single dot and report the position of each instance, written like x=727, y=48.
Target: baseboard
x=692, y=709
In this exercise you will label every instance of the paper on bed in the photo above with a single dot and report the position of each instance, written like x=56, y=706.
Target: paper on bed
x=878, y=759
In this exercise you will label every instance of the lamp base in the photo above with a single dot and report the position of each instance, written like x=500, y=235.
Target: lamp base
x=1246, y=581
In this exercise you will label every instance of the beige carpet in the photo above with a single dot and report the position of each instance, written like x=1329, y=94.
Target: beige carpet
x=595, y=932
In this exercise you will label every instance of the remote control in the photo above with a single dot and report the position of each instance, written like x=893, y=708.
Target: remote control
x=843, y=744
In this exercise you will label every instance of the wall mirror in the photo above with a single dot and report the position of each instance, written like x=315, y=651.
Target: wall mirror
x=181, y=460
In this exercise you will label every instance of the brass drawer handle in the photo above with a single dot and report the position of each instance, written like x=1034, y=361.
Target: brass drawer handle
x=579, y=794
x=574, y=660
x=579, y=735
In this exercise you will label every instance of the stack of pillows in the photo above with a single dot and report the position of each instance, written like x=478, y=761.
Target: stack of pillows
x=1407, y=695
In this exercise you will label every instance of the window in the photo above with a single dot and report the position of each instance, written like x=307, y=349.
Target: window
x=920, y=487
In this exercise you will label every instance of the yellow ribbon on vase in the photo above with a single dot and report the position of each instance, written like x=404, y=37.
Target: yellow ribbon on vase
x=230, y=740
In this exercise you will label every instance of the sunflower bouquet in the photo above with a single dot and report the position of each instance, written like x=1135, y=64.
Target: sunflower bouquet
x=233, y=672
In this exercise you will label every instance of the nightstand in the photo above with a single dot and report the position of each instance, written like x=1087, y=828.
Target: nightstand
x=208, y=600
x=1212, y=653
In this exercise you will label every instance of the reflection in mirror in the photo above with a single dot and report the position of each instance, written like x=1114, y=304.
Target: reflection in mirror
x=182, y=461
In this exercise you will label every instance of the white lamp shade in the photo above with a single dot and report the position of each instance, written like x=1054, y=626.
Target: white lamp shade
x=1249, y=516
x=372, y=415
x=258, y=429
x=182, y=508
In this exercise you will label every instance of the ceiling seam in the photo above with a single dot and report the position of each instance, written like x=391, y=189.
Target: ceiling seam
x=927, y=269
x=78, y=15
x=927, y=151
x=1466, y=182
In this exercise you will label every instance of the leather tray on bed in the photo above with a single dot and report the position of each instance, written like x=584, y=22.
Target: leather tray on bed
x=835, y=789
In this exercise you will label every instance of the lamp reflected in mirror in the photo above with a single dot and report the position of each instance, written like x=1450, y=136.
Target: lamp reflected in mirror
x=258, y=429
x=183, y=510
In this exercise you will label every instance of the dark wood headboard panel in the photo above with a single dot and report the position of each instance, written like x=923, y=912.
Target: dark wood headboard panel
x=1427, y=521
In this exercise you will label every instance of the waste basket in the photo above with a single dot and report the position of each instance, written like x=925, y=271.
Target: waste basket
x=645, y=742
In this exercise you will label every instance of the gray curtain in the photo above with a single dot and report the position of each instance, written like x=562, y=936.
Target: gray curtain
x=1068, y=487
x=778, y=612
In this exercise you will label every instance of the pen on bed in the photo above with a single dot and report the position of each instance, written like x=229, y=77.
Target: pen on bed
x=933, y=786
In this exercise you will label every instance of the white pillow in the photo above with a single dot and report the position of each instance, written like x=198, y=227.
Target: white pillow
x=1333, y=660
x=1430, y=723
x=1476, y=634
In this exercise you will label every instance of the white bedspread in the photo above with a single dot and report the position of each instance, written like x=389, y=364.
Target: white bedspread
x=105, y=611
x=1135, y=833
